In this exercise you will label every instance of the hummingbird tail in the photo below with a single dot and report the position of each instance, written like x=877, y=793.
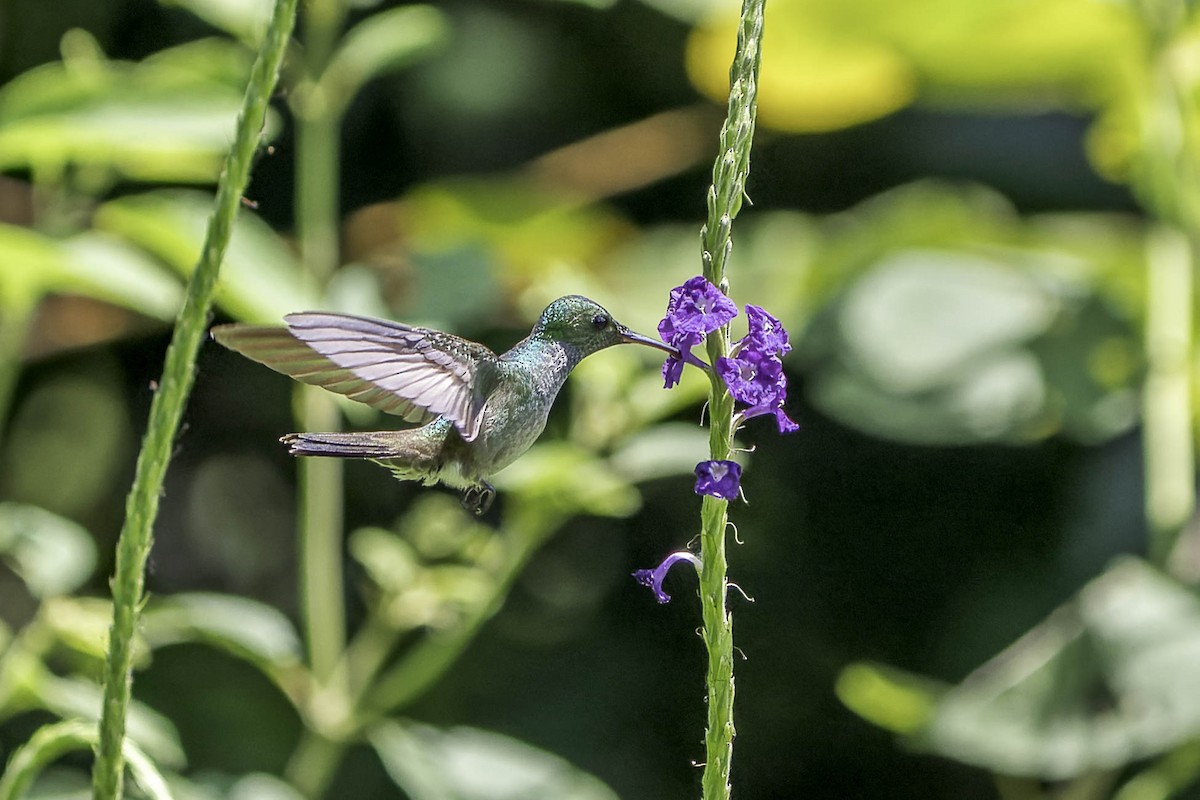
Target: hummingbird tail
x=376, y=444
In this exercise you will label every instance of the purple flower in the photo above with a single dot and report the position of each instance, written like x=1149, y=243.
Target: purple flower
x=653, y=578
x=718, y=478
x=694, y=309
x=767, y=334
x=698, y=307
x=756, y=379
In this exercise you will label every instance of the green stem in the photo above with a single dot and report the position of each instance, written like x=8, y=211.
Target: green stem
x=321, y=480
x=1165, y=179
x=1167, y=406
x=724, y=201
x=166, y=409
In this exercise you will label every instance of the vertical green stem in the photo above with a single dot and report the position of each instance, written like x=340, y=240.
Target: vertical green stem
x=1166, y=178
x=321, y=480
x=724, y=201
x=166, y=409
x=1167, y=432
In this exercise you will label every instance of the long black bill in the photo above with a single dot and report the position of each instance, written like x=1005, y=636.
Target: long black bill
x=632, y=337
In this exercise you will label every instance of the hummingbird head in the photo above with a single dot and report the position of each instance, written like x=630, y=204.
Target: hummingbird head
x=586, y=326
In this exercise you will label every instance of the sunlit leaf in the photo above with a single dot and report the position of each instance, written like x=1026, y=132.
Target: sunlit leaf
x=469, y=764
x=246, y=628
x=143, y=121
x=108, y=269
x=53, y=555
x=892, y=699
x=260, y=279
x=89, y=264
x=382, y=42
x=829, y=64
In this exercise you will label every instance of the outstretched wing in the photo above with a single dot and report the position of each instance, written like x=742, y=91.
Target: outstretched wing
x=415, y=373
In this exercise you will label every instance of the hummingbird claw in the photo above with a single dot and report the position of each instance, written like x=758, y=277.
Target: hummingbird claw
x=478, y=499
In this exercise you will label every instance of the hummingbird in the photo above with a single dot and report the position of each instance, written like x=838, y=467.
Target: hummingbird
x=478, y=411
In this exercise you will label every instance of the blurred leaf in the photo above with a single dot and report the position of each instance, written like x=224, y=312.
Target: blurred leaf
x=818, y=74
x=470, y=764
x=154, y=733
x=107, y=268
x=661, y=451
x=81, y=624
x=66, y=439
x=565, y=479
x=828, y=64
x=1111, y=677
x=381, y=43
x=89, y=264
x=388, y=560
x=246, y=628
x=53, y=555
x=146, y=122
x=261, y=786
x=897, y=701
x=28, y=263
x=534, y=233
x=260, y=280
x=245, y=20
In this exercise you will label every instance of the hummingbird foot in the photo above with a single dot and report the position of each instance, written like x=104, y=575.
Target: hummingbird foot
x=478, y=499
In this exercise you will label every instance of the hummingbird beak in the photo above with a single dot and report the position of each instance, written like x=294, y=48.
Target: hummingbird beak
x=631, y=337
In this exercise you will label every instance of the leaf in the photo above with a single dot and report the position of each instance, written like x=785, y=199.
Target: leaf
x=381, y=43
x=246, y=628
x=566, y=479
x=1110, y=677
x=107, y=268
x=89, y=264
x=245, y=20
x=260, y=280
x=469, y=764
x=661, y=451
x=53, y=555
x=154, y=733
x=146, y=122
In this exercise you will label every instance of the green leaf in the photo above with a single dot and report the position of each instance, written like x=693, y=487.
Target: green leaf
x=566, y=479
x=153, y=121
x=89, y=264
x=1107, y=679
x=53, y=555
x=154, y=733
x=382, y=42
x=29, y=264
x=469, y=764
x=260, y=280
x=245, y=20
x=107, y=268
x=246, y=628
x=664, y=450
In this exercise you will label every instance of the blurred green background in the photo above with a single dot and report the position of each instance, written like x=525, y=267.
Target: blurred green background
x=956, y=208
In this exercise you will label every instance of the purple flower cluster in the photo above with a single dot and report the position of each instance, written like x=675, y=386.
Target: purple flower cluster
x=754, y=369
x=694, y=310
x=753, y=373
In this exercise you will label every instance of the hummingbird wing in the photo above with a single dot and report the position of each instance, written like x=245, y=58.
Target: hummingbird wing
x=414, y=373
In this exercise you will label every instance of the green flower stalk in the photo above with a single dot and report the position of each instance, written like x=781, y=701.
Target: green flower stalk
x=724, y=201
x=141, y=508
x=749, y=372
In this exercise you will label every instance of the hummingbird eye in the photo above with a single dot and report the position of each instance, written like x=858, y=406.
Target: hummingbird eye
x=600, y=321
